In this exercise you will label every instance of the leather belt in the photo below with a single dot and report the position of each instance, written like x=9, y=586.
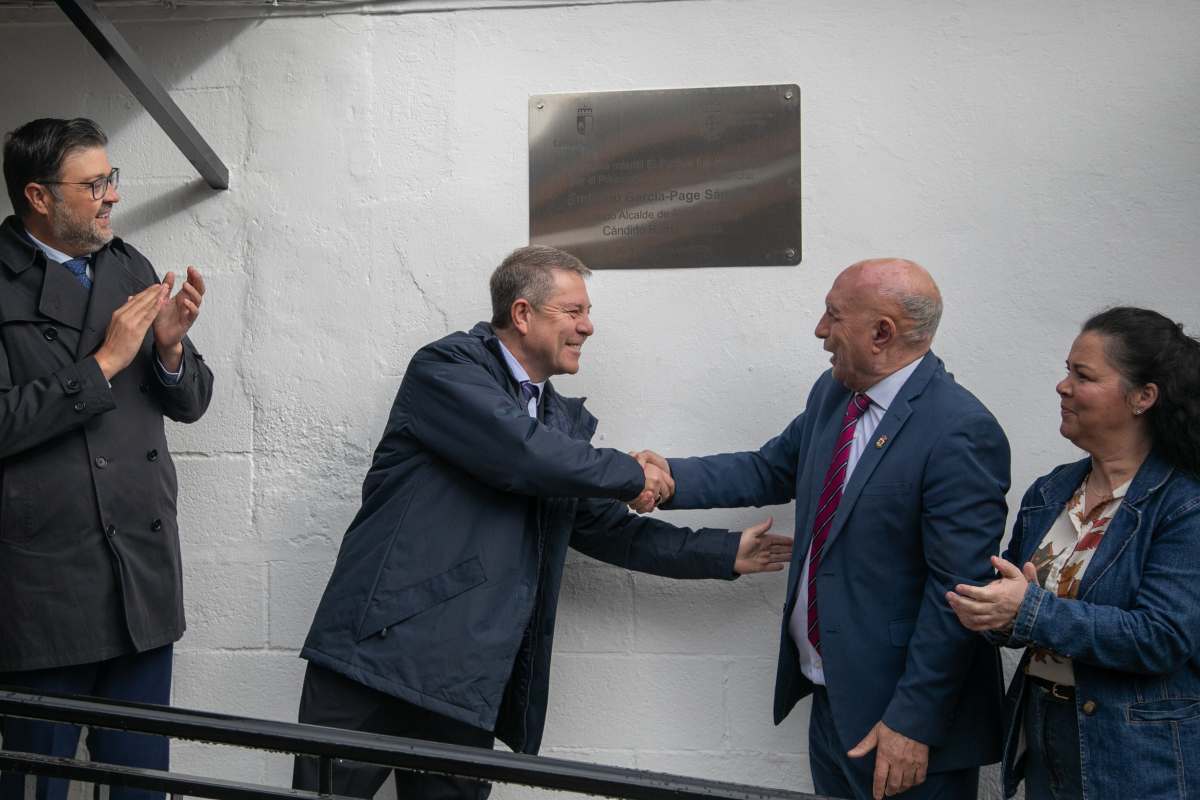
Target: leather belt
x=1059, y=691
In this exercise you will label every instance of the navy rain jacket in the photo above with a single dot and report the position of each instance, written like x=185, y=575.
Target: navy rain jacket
x=446, y=585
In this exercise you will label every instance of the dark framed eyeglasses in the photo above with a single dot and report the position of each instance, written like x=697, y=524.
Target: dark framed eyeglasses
x=99, y=186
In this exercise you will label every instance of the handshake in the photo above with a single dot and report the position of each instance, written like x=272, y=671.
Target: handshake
x=659, y=484
x=758, y=550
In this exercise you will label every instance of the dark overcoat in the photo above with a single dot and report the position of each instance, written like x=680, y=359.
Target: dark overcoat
x=445, y=589
x=89, y=548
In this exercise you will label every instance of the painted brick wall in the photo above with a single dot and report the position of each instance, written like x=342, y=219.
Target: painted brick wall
x=1041, y=159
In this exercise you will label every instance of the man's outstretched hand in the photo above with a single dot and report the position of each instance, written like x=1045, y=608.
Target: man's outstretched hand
x=760, y=551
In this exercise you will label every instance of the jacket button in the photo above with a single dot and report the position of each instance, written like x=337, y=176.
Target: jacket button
x=1089, y=707
x=72, y=385
x=50, y=333
x=143, y=387
x=152, y=455
x=101, y=462
x=112, y=531
x=80, y=405
x=156, y=525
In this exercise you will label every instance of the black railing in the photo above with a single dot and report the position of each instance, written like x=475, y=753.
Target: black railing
x=329, y=745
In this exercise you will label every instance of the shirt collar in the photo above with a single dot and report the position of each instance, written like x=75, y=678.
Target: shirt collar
x=514, y=367
x=883, y=393
x=57, y=256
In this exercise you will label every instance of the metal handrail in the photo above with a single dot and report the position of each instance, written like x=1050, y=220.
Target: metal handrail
x=328, y=744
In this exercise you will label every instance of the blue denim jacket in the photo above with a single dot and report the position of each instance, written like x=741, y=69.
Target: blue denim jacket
x=1133, y=634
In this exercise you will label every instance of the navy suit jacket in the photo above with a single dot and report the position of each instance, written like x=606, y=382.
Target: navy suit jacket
x=923, y=510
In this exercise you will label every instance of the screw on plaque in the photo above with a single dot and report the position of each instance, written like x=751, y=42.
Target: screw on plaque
x=541, y=105
x=790, y=254
x=788, y=95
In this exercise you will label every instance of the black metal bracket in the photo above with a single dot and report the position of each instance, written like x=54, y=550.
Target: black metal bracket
x=136, y=76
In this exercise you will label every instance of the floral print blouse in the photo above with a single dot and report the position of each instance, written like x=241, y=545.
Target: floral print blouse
x=1062, y=559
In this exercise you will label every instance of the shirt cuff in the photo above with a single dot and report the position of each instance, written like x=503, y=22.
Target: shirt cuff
x=166, y=376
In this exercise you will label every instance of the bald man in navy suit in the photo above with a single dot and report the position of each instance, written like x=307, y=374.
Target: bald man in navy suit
x=899, y=476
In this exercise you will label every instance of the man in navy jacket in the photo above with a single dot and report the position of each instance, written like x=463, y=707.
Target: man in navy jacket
x=438, y=620
x=899, y=476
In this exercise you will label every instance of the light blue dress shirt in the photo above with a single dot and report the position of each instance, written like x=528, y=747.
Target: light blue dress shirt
x=521, y=375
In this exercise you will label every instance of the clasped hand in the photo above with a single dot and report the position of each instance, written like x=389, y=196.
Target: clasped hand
x=659, y=485
x=995, y=606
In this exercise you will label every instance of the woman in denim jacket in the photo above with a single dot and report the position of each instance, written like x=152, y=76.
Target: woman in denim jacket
x=1106, y=701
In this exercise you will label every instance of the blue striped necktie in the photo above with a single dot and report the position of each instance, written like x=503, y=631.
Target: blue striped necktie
x=78, y=268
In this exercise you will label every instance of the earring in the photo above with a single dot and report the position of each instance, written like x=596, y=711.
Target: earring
x=1137, y=412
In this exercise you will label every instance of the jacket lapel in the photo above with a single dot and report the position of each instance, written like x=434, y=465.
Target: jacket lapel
x=49, y=290
x=1150, y=477
x=63, y=299
x=111, y=285
x=823, y=441
x=549, y=412
x=1055, y=492
x=886, y=432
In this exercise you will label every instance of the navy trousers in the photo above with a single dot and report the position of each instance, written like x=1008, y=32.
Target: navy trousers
x=837, y=775
x=140, y=677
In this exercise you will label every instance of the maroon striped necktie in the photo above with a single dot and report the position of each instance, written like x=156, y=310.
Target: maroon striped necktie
x=831, y=495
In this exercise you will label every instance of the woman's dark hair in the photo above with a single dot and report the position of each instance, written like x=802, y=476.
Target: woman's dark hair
x=35, y=152
x=1146, y=347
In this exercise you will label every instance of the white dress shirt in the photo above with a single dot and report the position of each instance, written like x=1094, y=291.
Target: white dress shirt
x=881, y=395
x=518, y=372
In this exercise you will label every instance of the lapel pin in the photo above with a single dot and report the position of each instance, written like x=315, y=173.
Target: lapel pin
x=880, y=442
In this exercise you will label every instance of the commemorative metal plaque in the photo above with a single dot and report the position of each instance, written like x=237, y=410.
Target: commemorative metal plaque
x=668, y=178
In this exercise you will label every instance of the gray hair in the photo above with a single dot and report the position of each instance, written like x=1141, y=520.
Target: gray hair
x=527, y=273
x=923, y=310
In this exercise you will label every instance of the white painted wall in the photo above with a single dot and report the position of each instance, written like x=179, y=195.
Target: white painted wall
x=1041, y=159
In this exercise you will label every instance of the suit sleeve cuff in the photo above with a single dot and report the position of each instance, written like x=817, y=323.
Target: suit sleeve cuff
x=733, y=540
x=922, y=728
x=85, y=388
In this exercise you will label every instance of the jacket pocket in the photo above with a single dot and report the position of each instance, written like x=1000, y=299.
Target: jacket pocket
x=392, y=606
x=1173, y=709
x=901, y=630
